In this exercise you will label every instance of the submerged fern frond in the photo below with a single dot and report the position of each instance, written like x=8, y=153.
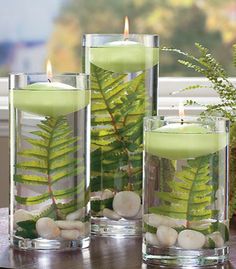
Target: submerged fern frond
x=190, y=195
x=50, y=160
x=116, y=137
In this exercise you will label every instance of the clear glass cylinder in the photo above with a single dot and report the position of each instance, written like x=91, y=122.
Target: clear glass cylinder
x=49, y=161
x=124, y=78
x=185, y=194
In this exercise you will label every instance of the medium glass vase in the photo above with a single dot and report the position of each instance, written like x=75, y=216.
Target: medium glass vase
x=49, y=161
x=124, y=76
x=185, y=193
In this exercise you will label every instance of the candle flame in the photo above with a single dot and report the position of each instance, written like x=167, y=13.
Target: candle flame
x=49, y=69
x=181, y=109
x=126, y=28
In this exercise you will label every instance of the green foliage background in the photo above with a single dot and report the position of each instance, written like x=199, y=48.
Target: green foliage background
x=179, y=24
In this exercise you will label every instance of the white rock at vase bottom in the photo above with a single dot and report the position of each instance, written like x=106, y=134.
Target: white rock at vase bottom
x=106, y=194
x=156, y=220
x=70, y=225
x=21, y=215
x=126, y=204
x=70, y=234
x=200, y=224
x=167, y=236
x=110, y=214
x=76, y=215
x=47, y=228
x=217, y=238
x=151, y=239
x=189, y=239
x=140, y=213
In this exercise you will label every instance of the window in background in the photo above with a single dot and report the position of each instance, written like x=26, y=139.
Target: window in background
x=33, y=30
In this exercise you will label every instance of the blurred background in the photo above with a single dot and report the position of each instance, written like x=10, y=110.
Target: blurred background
x=31, y=31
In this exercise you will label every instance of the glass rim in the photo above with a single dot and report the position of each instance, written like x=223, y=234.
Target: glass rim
x=113, y=34
x=187, y=119
x=45, y=74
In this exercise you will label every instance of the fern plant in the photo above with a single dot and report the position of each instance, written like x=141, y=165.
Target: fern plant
x=116, y=138
x=190, y=194
x=51, y=159
x=206, y=65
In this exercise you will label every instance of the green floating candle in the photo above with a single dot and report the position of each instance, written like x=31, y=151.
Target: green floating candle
x=124, y=56
x=182, y=141
x=50, y=99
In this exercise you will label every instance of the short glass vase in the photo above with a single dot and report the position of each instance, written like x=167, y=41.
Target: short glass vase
x=185, y=221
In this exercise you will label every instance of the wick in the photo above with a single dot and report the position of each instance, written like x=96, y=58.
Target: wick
x=182, y=122
x=49, y=80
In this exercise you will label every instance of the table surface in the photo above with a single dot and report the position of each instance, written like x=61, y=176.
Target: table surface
x=104, y=253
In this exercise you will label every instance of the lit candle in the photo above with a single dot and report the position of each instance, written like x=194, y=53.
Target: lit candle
x=50, y=98
x=124, y=56
x=183, y=139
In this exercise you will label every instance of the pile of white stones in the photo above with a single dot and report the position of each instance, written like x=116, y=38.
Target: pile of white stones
x=71, y=228
x=167, y=236
x=126, y=204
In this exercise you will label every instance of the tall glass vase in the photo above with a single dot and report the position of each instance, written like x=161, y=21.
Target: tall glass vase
x=49, y=161
x=124, y=79
x=185, y=196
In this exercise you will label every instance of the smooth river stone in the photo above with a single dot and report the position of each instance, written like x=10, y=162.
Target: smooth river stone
x=21, y=215
x=126, y=204
x=166, y=236
x=156, y=220
x=47, y=228
x=189, y=239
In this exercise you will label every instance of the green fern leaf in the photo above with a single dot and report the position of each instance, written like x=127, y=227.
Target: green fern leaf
x=190, y=196
x=39, y=166
x=31, y=179
x=69, y=192
x=32, y=200
x=35, y=153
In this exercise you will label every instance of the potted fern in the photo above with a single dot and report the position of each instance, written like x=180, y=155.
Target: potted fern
x=206, y=65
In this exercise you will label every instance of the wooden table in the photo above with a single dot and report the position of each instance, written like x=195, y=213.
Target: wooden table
x=104, y=253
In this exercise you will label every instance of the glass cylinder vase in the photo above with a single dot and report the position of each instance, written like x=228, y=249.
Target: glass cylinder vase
x=185, y=194
x=49, y=161
x=124, y=74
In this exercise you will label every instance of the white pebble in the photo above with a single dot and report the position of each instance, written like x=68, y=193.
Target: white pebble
x=217, y=238
x=70, y=225
x=70, y=234
x=201, y=224
x=126, y=204
x=166, y=236
x=21, y=215
x=151, y=239
x=140, y=213
x=47, y=228
x=189, y=239
x=156, y=220
x=106, y=194
x=76, y=215
x=110, y=214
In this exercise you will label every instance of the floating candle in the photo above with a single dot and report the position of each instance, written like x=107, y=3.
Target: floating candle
x=124, y=56
x=181, y=141
x=50, y=99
